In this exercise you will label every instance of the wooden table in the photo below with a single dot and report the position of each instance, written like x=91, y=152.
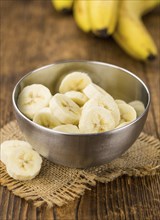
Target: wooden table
x=33, y=35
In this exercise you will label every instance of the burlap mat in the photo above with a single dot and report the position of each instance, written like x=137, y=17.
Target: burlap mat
x=58, y=185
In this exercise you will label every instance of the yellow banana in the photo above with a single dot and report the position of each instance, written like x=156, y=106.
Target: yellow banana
x=103, y=16
x=98, y=16
x=62, y=5
x=81, y=16
x=131, y=33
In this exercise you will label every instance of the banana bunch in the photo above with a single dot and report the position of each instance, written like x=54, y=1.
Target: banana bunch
x=80, y=106
x=120, y=18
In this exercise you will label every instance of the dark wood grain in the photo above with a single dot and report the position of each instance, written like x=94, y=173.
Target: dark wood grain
x=33, y=35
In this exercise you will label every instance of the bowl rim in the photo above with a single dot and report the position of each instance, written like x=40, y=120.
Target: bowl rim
x=80, y=134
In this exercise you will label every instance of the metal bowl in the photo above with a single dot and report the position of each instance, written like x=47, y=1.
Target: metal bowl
x=84, y=150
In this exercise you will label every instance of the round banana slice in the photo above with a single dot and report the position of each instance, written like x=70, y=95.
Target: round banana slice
x=67, y=111
x=95, y=120
x=105, y=101
x=67, y=128
x=127, y=112
x=32, y=98
x=8, y=146
x=138, y=106
x=76, y=81
x=78, y=97
x=23, y=164
x=119, y=101
x=46, y=118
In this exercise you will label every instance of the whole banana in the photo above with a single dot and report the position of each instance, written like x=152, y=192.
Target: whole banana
x=100, y=17
x=131, y=33
x=63, y=5
x=81, y=15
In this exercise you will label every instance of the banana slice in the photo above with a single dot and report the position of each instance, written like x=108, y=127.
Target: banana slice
x=23, y=164
x=127, y=112
x=74, y=81
x=67, y=111
x=78, y=97
x=69, y=128
x=119, y=101
x=99, y=97
x=138, y=106
x=92, y=89
x=121, y=121
x=96, y=119
x=46, y=118
x=32, y=98
x=8, y=146
x=122, y=124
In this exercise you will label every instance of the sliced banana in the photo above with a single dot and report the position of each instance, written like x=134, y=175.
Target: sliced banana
x=122, y=124
x=138, y=106
x=74, y=81
x=120, y=101
x=69, y=128
x=23, y=164
x=121, y=121
x=67, y=111
x=127, y=112
x=8, y=146
x=92, y=90
x=32, y=98
x=46, y=118
x=104, y=100
x=97, y=119
x=78, y=97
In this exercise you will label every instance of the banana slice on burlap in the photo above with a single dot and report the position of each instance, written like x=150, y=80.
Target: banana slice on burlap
x=138, y=106
x=32, y=98
x=76, y=81
x=46, y=118
x=99, y=97
x=127, y=112
x=95, y=120
x=67, y=111
x=69, y=128
x=8, y=146
x=78, y=97
x=23, y=163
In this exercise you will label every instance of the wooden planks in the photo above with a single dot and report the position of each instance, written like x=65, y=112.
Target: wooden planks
x=33, y=35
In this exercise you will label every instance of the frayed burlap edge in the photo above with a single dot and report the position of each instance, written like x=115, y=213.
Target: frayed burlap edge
x=137, y=172
x=75, y=190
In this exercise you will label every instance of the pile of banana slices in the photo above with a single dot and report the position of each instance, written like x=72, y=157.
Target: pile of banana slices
x=80, y=106
x=119, y=18
x=22, y=162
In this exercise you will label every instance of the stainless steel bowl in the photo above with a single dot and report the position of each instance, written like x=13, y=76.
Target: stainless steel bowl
x=84, y=150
